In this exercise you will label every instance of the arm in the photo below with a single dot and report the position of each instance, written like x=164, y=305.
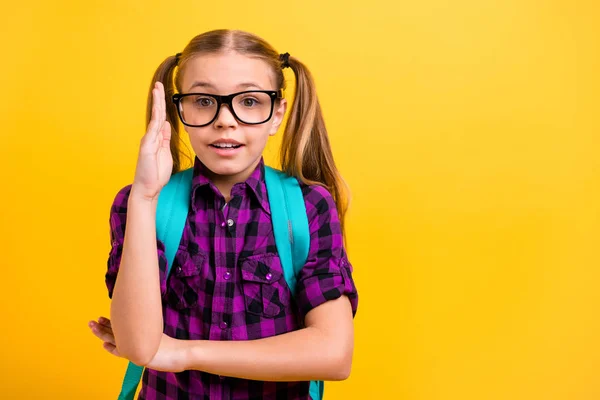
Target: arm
x=327, y=301
x=321, y=351
x=136, y=310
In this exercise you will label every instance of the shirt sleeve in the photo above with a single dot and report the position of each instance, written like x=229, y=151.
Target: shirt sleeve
x=117, y=220
x=327, y=273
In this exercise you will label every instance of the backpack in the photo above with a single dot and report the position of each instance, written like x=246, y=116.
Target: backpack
x=290, y=228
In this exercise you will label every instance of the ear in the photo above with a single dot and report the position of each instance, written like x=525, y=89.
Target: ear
x=278, y=115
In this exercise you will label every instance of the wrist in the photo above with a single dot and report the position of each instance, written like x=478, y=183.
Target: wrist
x=186, y=354
x=137, y=196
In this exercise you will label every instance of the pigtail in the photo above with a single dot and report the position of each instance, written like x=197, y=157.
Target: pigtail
x=164, y=74
x=305, y=149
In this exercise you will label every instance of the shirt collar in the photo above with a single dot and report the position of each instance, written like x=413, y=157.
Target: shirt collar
x=255, y=182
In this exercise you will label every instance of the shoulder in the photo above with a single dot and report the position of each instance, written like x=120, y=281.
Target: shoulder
x=119, y=204
x=118, y=215
x=319, y=202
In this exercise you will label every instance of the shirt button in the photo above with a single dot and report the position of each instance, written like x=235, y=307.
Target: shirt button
x=178, y=269
x=227, y=276
x=223, y=325
x=229, y=222
x=269, y=276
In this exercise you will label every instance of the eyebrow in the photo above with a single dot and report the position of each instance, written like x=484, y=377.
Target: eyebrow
x=243, y=85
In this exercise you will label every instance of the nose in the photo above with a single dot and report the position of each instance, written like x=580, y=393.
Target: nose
x=225, y=119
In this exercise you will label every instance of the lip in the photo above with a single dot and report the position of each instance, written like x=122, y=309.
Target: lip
x=226, y=152
x=226, y=141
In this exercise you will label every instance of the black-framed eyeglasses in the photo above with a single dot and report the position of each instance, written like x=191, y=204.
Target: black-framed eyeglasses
x=250, y=107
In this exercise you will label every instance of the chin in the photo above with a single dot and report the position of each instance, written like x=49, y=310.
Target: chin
x=226, y=167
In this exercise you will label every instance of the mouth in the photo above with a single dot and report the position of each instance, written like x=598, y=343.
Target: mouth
x=226, y=148
x=225, y=144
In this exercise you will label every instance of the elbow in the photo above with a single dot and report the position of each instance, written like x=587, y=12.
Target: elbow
x=139, y=350
x=136, y=345
x=142, y=360
x=139, y=355
x=341, y=367
x=342, y=371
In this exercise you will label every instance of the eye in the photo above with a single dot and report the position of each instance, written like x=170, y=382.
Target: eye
x=249, y=102
x=204, y=101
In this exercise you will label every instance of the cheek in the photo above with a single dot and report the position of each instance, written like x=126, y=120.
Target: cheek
x=199, y=139
x=257, y=140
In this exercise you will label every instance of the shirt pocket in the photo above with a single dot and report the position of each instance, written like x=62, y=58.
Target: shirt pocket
x=265, y=291
x=185, y=280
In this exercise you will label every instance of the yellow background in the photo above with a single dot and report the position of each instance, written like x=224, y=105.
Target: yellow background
x=467, y=130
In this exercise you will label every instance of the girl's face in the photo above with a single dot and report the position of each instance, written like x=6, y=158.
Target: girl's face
x=224, y=74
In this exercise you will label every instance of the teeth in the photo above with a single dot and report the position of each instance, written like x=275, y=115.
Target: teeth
x=224, y=145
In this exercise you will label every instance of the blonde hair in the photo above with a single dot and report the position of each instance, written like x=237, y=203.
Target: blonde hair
x=305, y=149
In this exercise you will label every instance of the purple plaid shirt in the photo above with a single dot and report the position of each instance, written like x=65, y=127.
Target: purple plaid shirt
x=227, y=281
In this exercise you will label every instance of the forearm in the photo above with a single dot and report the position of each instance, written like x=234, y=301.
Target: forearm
x=136, y=310
x=303, y=355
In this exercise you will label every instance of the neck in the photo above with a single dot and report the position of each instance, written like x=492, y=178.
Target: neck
x=225, y=182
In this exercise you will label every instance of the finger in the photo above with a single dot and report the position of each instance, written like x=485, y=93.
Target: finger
x=160, y=110
x=161, y=101
x=102, y=322
x=153, y=126
x=166, y=135
x=156, y=101
x=111, y=348
x=163, y=105
x=105, y=321
x=103, y=333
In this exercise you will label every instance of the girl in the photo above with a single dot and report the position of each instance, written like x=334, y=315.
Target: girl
x=223, y=324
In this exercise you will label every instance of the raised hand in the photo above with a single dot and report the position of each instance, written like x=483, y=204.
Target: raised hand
x=155, y=162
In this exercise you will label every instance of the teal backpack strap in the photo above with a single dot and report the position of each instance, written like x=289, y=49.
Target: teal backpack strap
x=171, y=213
x=290, y=223
x=292, y=234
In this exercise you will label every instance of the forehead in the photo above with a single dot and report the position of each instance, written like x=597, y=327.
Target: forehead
x=226, y=73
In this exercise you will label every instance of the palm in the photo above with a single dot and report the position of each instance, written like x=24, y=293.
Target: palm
x=155, y=161
x=164, y=157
